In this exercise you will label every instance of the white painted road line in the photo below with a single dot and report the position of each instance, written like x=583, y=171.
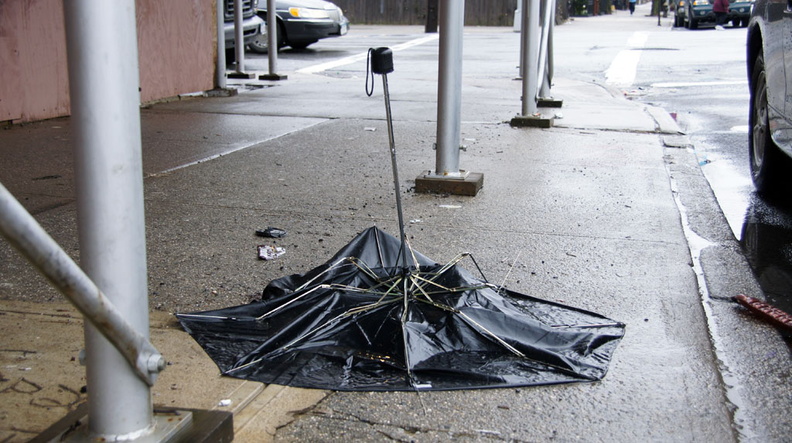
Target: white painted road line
x=362, y=56
x=624, y=66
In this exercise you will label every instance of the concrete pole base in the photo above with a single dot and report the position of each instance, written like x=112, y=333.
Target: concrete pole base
x=530, y=121
x=549, y=102
x=469, y=184
x=221, y=92
x=273, y=77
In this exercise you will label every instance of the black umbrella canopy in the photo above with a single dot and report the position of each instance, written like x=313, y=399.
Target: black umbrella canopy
x=364, y=321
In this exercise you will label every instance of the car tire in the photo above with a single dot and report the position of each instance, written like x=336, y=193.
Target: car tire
x=693, y=24
x=766, y=160
x=260, y=43
x=744, y=23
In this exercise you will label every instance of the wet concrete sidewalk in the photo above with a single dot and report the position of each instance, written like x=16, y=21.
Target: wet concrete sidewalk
x=595, y=212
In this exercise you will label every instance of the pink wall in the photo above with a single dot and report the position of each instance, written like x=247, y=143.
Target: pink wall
x=176, y=44
x=176, y=41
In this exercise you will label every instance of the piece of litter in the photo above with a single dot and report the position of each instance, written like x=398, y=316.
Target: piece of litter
x=370, y=129
x=267, y=252
x=416, y=220
x=224, y=403
x=450, y=206
x=271, y=232
x=559, y=115
x=487, y=432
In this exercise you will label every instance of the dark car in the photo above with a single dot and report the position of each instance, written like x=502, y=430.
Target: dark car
x=302, y=23
x=769, y=63
x=700, y=11
x=680, y=10
x=740, y=12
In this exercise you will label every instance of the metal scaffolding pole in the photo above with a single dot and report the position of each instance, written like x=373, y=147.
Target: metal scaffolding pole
x=449, y=87
x=104, y=80
x=239, y=37
x=447, y=177
x=546, y=49
x=220, y=74
x=272, y=37
x=530, y=56
x=272, y=44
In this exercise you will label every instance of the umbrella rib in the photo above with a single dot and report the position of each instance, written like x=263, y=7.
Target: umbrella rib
x=477, y=325
x=503, y=342
x=346, y=313
x=514, y=263
x=309, y=282
x=272, y=311
x=352, y=260
x=313, y=331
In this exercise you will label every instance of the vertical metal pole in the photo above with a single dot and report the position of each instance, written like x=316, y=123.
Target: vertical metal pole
x=544, y=50
x=272, y=37
x=392, y=144
x=239, y=37
x=103, y=79
x=449, y=88
x=530, y=47
x=220, y=74
x=550, y=61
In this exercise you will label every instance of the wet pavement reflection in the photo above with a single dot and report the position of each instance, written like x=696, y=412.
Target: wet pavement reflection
x=767, y=244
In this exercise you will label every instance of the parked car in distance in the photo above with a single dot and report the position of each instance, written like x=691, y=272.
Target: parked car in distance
x=700, y=11
x=251, y=23
x=740, y=12
x=770, y=78
x=679, y=12
x=302, y=23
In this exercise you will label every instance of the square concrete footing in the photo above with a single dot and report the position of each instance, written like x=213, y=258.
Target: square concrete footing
x=470, y=184
x=549, y=102
x=531, y=121
x=221, y=92
x=273, y=77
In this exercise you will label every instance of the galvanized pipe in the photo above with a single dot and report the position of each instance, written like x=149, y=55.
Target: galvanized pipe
x=25, y=234
x=220, y=73
x=544, y=47
x=530, y=57
x=239, y=37
x=449, y=88
x=272, y=37
x=103, y=80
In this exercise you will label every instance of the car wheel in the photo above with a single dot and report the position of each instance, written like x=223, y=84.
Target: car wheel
x=744, y=23
x=736, y=23
x=693, y=23
x=260, y=43
x=766, y=160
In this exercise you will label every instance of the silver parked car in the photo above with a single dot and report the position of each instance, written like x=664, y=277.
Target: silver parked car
x=769, y=63
x=302, y=23
x=251, y=23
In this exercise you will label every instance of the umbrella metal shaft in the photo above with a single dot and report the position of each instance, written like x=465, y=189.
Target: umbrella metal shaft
x=402, y=236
